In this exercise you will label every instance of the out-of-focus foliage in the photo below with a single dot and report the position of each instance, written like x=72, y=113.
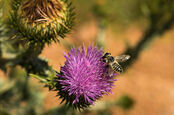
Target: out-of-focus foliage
x=115, y=11
x=61, y=111
x=19, y=96
x=125, y=102
x=125, y=12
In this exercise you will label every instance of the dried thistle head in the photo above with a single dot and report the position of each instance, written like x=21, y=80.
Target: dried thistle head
x=41, y=11
x=41, y=21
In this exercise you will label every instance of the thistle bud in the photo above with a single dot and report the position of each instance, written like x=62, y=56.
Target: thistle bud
x=42, y=21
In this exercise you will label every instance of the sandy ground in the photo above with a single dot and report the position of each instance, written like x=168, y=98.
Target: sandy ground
x=149, y=81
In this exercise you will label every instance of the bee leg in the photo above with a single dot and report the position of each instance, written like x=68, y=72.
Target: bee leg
x=107, y=66
x=104, y=60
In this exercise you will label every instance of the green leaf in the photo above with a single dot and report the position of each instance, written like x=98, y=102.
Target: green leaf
x=40, y=78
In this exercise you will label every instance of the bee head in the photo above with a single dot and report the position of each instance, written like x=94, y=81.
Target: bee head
x=106, y=55
x=107, y=58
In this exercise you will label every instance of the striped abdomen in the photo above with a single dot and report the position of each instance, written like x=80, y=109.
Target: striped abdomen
x=116, y=67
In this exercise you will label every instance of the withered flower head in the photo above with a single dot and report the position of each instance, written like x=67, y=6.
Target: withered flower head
x=42, y=21
x=41, y=11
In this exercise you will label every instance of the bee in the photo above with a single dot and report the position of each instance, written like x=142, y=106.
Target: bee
x=113, y=62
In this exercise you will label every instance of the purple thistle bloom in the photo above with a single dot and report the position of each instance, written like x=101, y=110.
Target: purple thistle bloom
x=84, y=78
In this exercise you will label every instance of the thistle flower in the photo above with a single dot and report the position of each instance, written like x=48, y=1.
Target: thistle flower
x=84, y=78
x=42, y=21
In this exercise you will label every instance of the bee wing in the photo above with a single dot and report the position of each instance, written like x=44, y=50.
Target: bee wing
x=122, y=58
